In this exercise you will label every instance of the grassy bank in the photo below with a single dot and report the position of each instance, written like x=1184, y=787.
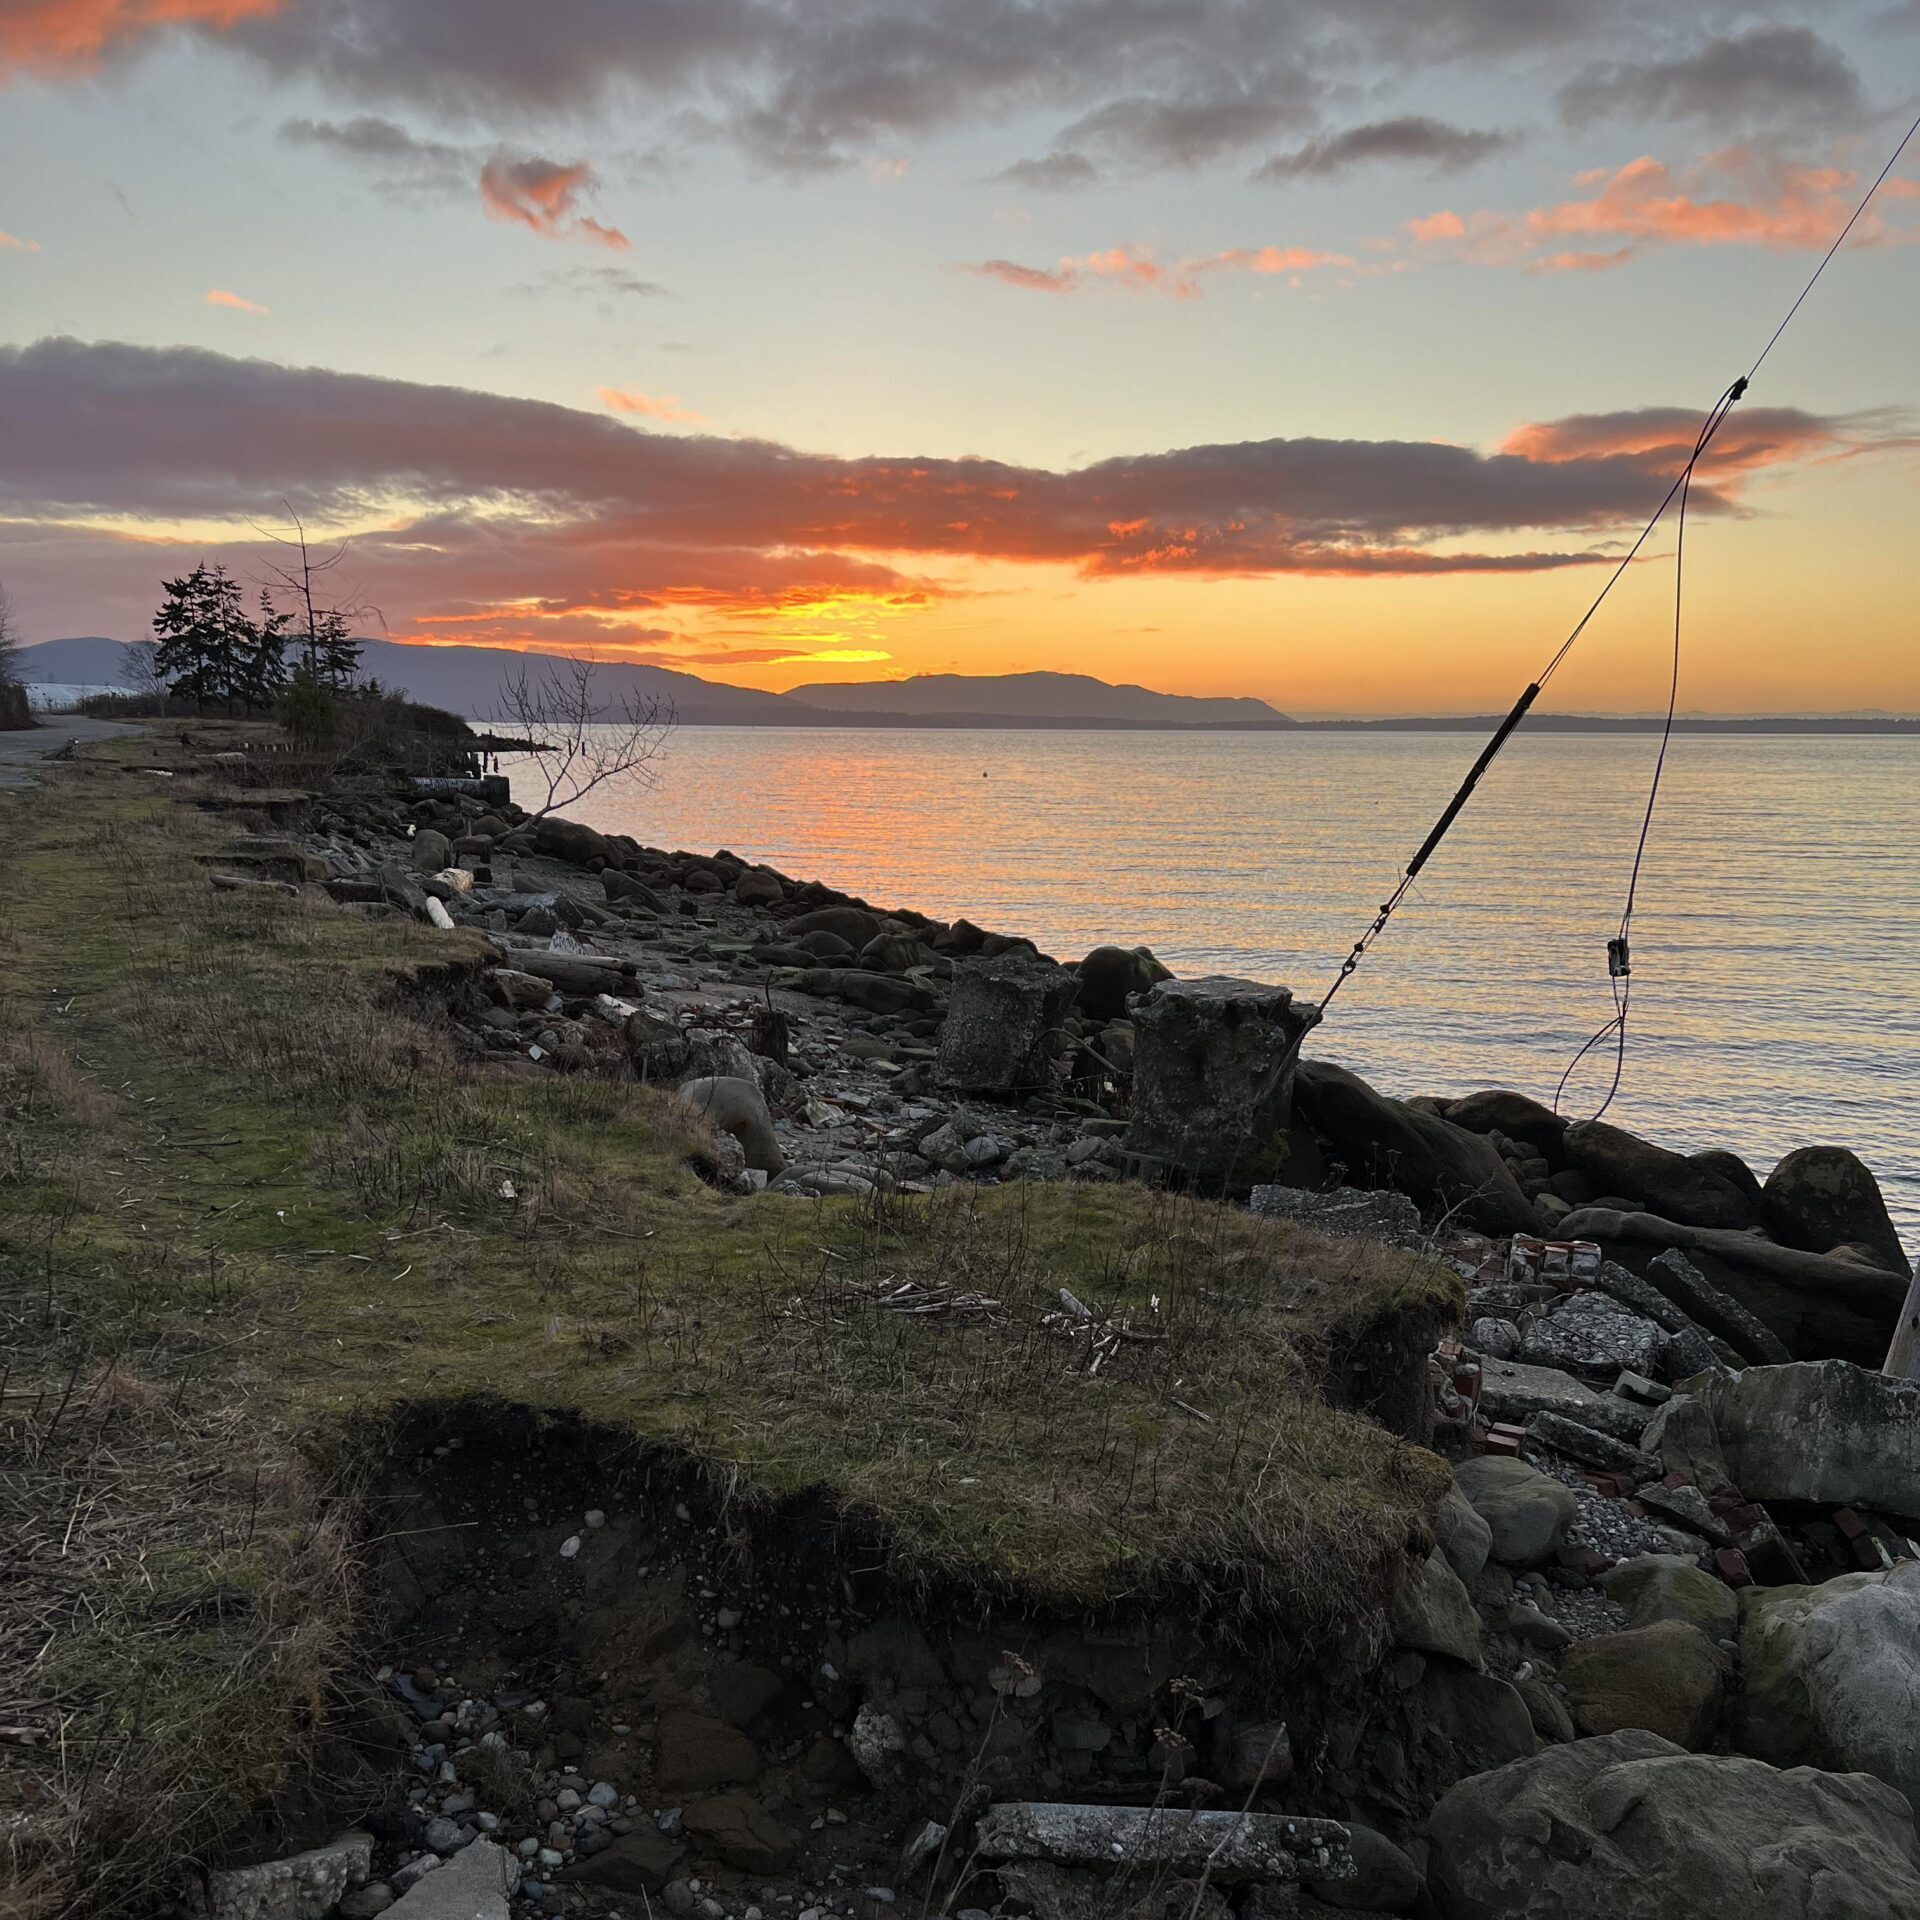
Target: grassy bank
x=250, y=1204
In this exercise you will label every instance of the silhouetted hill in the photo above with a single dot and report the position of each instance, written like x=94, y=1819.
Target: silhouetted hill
x=1032, y=699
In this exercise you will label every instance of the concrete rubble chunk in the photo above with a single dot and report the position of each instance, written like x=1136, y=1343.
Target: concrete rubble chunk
x=304, y=1886
x=1820, y=1430
x=1235, y=1846
x=1716, y=1312
x=1512, y=1391
x=476, y=1884
x=1214, y=1063
x=1593, y=1448
x=1002, y=1018
x=1345, y=1214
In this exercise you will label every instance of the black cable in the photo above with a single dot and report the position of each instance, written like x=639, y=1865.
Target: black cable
x=1682, y=486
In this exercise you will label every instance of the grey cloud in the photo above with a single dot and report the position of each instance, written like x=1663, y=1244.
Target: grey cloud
x=1412, y=138
x=1058, y=172
x=1766, y=76
x=806, y=85
x=406, y=163
x=606, y=284
x=179, y=433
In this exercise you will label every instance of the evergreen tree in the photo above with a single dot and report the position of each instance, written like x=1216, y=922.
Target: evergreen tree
x=332, y=653
x=266, y=659
x=208, y=649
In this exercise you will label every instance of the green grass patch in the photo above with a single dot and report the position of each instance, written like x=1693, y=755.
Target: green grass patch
x=249, y=1175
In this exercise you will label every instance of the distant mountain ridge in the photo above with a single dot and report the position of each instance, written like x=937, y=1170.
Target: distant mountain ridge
x=468, y=680
x=1034, y=698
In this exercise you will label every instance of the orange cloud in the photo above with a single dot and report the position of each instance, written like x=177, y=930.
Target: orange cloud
x=220, y=297
x=650, y=406
x=1737, y=197
x=544, y=195
x=1135, y=268
x=1749, y=439
x=10, y=243
x=71, y=35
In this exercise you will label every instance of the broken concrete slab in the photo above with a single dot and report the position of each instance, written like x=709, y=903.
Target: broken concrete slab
x=476, y=1884
x=304, y=1886
x=1213, y=1077
x=1002, y=1018
x=1229, y=1846
x=1513, y=1391
x=1823, y=1431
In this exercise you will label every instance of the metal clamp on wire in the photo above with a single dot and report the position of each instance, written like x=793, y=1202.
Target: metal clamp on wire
x=1619, y=959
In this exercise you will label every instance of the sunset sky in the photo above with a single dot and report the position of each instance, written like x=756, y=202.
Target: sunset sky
x=1320, y=352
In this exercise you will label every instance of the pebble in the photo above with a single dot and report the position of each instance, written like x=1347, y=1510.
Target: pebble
x=569, y=1546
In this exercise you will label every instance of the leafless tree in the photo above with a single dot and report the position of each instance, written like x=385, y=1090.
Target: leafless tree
x=9, y=642
x=140, y=670
x=320, y=627
x=582, y=742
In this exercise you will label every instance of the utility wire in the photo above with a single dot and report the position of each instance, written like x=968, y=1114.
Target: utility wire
x=1619, y=964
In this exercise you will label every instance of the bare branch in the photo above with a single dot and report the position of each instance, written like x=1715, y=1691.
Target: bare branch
x=582, y=743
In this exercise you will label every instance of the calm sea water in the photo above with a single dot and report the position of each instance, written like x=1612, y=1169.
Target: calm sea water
x=1777, y=972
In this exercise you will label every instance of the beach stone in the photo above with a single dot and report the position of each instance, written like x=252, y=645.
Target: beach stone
x=694, y=1751
x=1003, y=1016
x=303, y=1886
x=1383, y=1879
x=1464, y=1537
x=883, y=993
x=1665, y=1182
x=738, y=1830
x=854, y=925
x=1213, y=1074
x=1824, y=1431
x=1526, y=1512
x=1629, y=1826
x=1667, y=1586
x=736, y=1106
x=1110, y=975
x=568, y=840
x=1433, y=1612
x=1498, y=1111
x=1668, y=1678
x=432, y=850
x=1391, y=1143
x=757, y=887
x=628, y=891
x=1821, y=1198
x=639, y=1862
x=1832, y=1675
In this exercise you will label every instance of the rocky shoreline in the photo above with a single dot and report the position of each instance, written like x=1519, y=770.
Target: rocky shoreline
x=1665, y=1616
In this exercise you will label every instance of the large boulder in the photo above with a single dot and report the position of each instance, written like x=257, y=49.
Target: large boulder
x=1831, y=1675
x=1390, y=1143
x=737, y=1106
x=1527, y=1513
x=1668, y=1678
x=1464, y=1537
x=1654, y=1587
x=1433, y=1612
x=1820, y=1198
x=1496, y=1110
x=1213, y=1076
x=1822, y=1431
x=1002, y=1020
x=568, y=840
x=1109, y=976
x=738, y=1830
x=1628, y=1826
x=1667, y=1183
x=855, y=925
